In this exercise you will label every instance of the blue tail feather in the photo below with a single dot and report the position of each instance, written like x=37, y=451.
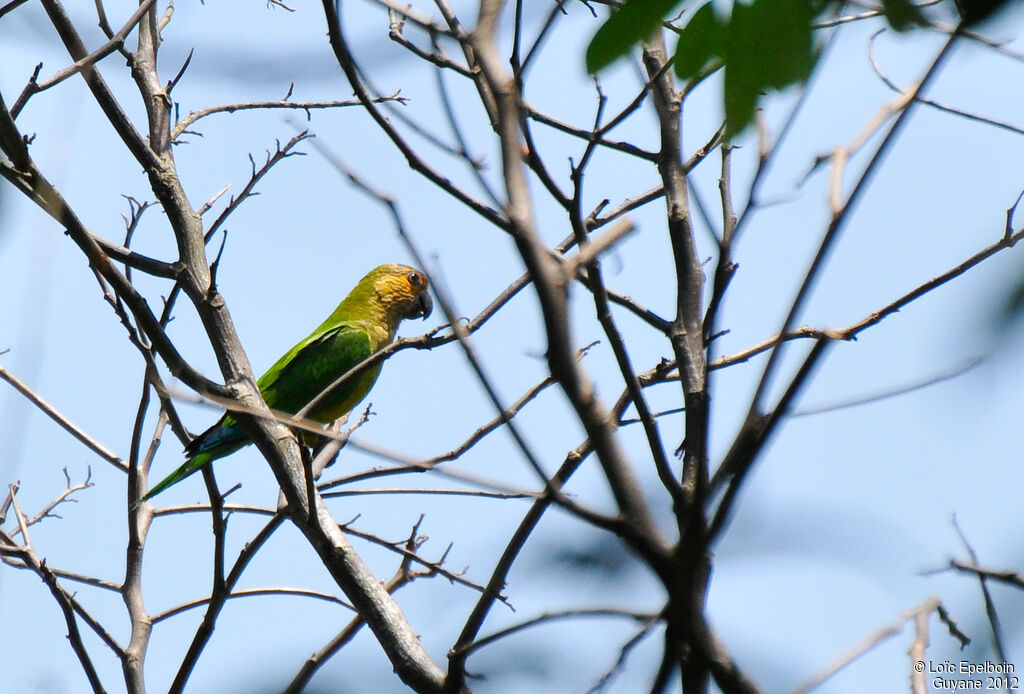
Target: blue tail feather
x=216, y=442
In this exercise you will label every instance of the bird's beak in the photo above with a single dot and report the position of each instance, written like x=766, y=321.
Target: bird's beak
x=425, y=306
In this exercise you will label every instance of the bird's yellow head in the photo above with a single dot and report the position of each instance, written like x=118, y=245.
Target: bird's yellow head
x=395, y=292
x=402, y=290
x=386, y=296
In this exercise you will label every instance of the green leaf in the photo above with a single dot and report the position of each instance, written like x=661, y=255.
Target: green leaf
x=629, y=25
x=740, y=99
x=902, y=14
x=974, y=11
x=698, y=42
x=768, y=45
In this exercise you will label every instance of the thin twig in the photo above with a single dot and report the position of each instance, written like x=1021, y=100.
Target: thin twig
x=182, y=126
x=990, y=606
x=976, y=117
x=1010, y=578
x=248, y=593
x=65, y=423
x=842, y=214
x=115, y=43
x=641, y=617
x=869, y=643
x=63, y=497
x=642, y=633
x=279, y=155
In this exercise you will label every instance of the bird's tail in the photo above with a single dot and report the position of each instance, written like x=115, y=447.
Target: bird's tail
x=223, y=438
x=191, y=465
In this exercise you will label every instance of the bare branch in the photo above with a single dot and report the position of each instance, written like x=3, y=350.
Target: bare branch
x=432, y=492
x=641, y=617
x=216, y=601
x=67, y=603
x=135, y=143
x=990, y=606
x=116, y=42
x=496, y=583
x=873, y=640
x=541, y=117
x=403, y=576
x=842, y=213
x=642, y=633
x=279, y=155
x=63, y=497
x=248, y=593
x=428, y=24
x=409, y=556
x=182, y=126
x=1011, y=578
x=347, y=63
x=10, y=6
x=437, y=56
x=949, y=374
x=551, y=284
x=978, y=118
x=65, y=423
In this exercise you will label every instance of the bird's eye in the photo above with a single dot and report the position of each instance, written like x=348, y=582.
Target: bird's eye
x=415, y=279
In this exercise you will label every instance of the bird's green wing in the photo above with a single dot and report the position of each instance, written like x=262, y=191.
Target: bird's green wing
x=296, y=378
x=313, y=365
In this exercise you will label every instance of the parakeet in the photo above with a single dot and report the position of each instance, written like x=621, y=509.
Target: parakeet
x=363, y=323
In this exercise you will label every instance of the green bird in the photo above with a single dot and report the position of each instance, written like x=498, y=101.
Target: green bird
x=365, y=322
